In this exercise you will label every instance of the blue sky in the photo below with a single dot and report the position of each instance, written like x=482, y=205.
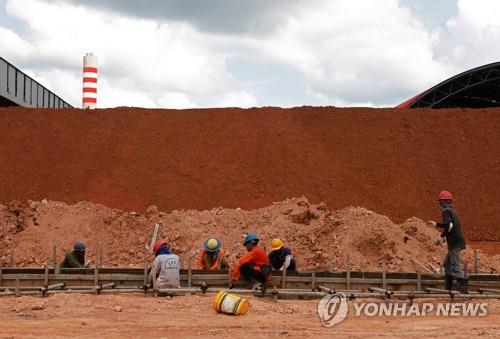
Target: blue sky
x=221, y=53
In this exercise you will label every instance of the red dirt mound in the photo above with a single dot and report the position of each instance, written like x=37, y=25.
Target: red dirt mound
x=319, y=238
x=390, y=161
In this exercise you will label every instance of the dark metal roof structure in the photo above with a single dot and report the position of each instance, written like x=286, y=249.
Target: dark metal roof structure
x=475, y=88
x=18, y=89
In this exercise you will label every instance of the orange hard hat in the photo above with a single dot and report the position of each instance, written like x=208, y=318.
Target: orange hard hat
x=158, y=244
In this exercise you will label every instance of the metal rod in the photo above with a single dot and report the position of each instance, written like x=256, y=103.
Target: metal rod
x=326, y=289
x=438, y=290
x=12, y=259
x=51, y=287
x=488, y=290
x=381, y=290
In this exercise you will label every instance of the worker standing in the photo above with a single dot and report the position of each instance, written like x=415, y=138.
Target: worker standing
x=254, y=265
x=76, y=258
x=166, y=265
x=451, y=233
x=281, y=257
x=212, y=256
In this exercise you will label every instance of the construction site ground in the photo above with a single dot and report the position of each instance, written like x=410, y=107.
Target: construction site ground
x=133, y=316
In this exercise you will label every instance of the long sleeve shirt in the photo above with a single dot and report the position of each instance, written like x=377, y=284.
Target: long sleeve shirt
x=257, y=257
x=277, y=258
x=209, y=261
x=73, y=260
x=454, y=236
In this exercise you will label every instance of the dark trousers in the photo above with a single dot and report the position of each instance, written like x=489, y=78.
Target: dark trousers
x=250, y=273
x=452, y=266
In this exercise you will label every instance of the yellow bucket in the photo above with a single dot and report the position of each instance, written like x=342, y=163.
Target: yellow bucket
x=230, y=304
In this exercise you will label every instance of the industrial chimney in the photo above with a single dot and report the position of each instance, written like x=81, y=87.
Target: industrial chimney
x=89, y=81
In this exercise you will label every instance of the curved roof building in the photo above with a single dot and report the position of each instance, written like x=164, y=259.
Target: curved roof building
x=475, y=88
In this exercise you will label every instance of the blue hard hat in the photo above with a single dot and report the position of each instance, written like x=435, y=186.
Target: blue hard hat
x=212, y=245
x=250, y=237
x=80, y=246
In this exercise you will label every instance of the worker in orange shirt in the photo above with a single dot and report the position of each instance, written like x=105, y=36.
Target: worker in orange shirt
x=254, y=265
x=212, y=256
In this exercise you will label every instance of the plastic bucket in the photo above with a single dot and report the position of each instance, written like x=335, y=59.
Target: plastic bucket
x=230, y=304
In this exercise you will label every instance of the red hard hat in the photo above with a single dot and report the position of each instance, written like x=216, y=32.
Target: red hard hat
x=158, y=244
x=445, y=195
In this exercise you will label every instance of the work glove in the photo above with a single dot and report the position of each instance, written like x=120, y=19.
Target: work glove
x=431, y=223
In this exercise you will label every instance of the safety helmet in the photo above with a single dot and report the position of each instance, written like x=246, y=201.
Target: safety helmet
x=445, y=195
x=250, y=237
x=158, y=244
x=80, y=246
x=212, y=244
x=276, y=244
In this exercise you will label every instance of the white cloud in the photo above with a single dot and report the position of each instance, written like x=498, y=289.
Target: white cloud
x=140, y=60
x=347, y=52
x=358, y=51
x=176, y=100
x=472, y=36
x=13, y=46
x=238, y=99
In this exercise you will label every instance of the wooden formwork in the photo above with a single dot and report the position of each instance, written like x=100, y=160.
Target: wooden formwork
x=99, y=280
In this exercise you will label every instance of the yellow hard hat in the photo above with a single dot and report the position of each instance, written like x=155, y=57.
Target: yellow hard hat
x=212, y=244
x=276, y=244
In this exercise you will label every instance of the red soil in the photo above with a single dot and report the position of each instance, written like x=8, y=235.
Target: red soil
x=393, y=162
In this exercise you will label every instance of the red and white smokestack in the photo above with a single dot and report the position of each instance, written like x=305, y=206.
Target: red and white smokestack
x=89, y=81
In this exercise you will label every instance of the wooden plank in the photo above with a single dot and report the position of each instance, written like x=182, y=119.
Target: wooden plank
x=96, y=277
x=313, y=281
x=46, y=274
x=422, y=267
x=189, y=277
x=475, y=262
x=17, y=288
x=156, y=229
x=419, y=281
x=348, y=273
x=101, y=256
x=488, y=290
x=384, y=273
x=155, y=283
x=283, y=278
x=145, y=276
x=54, y=257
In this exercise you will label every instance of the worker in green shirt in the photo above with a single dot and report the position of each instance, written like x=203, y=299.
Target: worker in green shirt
x=75, y=258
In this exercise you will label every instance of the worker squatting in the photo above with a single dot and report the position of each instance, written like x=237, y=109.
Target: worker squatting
x=256, y=266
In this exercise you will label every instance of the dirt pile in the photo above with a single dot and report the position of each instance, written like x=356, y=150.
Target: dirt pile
x=319, y=238
x=390, y=161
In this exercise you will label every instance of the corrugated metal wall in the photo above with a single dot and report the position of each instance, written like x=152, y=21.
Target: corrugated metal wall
x=18, y=89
